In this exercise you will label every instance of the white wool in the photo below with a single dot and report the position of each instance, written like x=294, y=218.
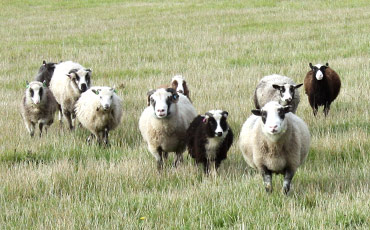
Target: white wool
x=91, y=113
x=289, y=147
x=168, y=133
x=65, y=91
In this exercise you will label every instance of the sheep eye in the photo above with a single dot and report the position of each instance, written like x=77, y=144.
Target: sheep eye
x=31, y=92
x=77, y=78
x=111, y=97
x=151, y=100
x=40, y=92
x=100, y=97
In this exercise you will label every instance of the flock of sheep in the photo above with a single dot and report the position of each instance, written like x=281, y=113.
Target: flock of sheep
x=272, y=140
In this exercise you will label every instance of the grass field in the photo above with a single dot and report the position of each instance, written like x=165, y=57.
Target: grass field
x=222, y=48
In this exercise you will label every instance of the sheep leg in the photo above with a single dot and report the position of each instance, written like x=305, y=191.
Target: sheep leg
x=159, y=159
x=73, y=116
x=287, y=180
x=212, y=168
x=60, y=116
x=267, y=179
x=326, y=109
x=315, y=109
x=165, y=155
x=90, y=138
x=178, y=159
x=30, y=127
x=67, y=114
x=105, y=137
x=40, y=127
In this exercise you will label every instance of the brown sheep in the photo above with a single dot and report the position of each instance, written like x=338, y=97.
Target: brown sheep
x=322, y=85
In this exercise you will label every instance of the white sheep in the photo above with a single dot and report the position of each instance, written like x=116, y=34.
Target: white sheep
x=99, y=110
x=38, y=107
x=69, y=80
x=277, y=88
x=164, y=122
x=273, y=140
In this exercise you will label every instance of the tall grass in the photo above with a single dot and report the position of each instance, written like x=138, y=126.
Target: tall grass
x=222, y=48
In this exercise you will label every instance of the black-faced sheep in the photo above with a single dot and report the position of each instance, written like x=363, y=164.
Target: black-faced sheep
x=164, y=122
x=45, y=73
x=99, y=110
x=69, y=80
x=322, y=85
x=277, y=88
x=38, y=107
x=209, y=137
x=273, y=140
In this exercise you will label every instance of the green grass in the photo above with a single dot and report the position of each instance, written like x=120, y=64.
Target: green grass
x=222, y=48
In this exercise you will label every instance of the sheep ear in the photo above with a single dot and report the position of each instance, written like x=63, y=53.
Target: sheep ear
x=225, y=114
x=27, y=84
x=327, y=64
x=88, y=70
x=95, y=91
x=205, y=119
x=44, y=84
x=256, y=112
x=278, y=87
x=311, y=65
x=297, y=86
x=43, y=62
x=69, y=75
x=150, y=94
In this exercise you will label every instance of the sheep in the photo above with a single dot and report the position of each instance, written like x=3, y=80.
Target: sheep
x=273, y=140
x=178, y=83
x=322, y=85
x=38, y=107
x=45, y=73
x=209, y=137
x=164, y=122
x=99, y=110
x=277, y=88
x=69, y=80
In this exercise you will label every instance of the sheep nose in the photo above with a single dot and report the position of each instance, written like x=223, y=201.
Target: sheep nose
x=219, y=134
x=180, y=91
x=83, y=87
x=273, y=127
x=106, y=106
x=160, y=110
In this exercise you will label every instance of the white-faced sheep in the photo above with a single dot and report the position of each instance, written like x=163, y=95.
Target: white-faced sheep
x=45, y=73
x=69, y=80
x=277, y=88
x=99, y=110
x=273, y=140
x=38, y=107
x=164, y=122
x=322, y=85
x=209, y=137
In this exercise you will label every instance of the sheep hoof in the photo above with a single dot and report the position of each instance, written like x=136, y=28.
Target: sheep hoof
x=286, y=189
x=159, y=166
x=268, y=188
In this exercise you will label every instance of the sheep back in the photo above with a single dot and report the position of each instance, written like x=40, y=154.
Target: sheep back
x=60, y=85
x=197, y=139
x=323, y=91
x=289, y=151
x=168, y=133
x=265, y=92
x=93, y=117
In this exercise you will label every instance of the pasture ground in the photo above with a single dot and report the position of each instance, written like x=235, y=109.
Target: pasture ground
x=222, y=48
